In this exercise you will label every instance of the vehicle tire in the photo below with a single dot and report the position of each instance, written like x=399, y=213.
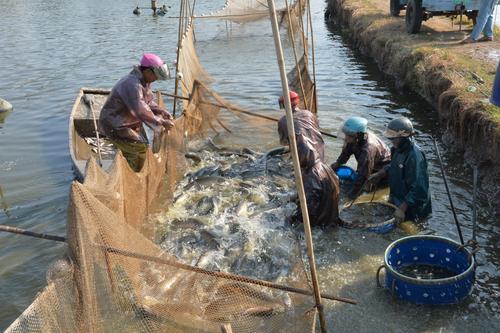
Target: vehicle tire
x=473, y=17
x=395, y=7
x=414, y=16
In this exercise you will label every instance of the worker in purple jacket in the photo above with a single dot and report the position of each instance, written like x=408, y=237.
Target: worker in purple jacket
x=305, y=124
x=371, y=153
x=131, y=104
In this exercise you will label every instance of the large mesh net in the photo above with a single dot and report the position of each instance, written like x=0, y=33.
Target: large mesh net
x=116, y=278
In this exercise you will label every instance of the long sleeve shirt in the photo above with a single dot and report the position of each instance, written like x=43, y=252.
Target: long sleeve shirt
x=127, y=107
x=321, y=187
x=409, y=180
x=371, y=155
x=305, y=125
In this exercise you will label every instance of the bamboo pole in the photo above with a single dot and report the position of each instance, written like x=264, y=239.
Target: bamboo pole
x=179, y=38
x=315, y=96
x=301, y=24
x=23, y=232
x=223, y=275
x=297, y=65
x=226, y=328
x=192, y=16
x=240, y=110
x=296, y=165
x=90, y=102
x=174, y=263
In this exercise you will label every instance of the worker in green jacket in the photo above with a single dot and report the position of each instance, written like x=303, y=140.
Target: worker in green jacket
x=408, y=177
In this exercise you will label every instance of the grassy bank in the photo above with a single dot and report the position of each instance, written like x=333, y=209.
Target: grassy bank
x=455, y=78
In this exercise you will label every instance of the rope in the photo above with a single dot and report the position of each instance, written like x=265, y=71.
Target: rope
x=448, y=192
x=240, y=110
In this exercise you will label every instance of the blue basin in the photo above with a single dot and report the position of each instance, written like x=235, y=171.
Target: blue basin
x=439, y=253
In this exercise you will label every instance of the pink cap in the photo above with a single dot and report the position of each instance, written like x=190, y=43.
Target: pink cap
x=151, y=60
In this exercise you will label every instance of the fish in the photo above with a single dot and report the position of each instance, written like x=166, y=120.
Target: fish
x=206, y=171
x=276, y=151
x=195, y=158
x=205, y=181
x=209, y=239
x=186, y=223
x=250, y=152
x=205, y=206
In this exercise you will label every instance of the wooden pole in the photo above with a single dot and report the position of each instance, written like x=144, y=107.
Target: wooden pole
x=299, y=71
x=90, y=102
x=23, y=232
x=177, y=264
x=226, y=328
x=179, y=39
x=236, y=109
x=315, y=96
x=296, y=165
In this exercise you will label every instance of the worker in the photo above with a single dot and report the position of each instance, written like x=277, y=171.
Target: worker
x=129, y=105
x=484, y=24
x=321, y=187
x=305, y=125
x=407, y=172
x=371, y=153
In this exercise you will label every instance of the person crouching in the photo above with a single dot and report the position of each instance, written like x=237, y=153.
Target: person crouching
x=321, y=186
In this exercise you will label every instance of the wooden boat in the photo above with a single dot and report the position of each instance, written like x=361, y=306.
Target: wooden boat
x=83, y=139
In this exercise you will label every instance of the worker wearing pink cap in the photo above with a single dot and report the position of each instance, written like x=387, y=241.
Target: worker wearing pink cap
x=131, y=104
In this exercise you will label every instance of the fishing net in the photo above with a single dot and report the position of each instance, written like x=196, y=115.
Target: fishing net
x=301, y=81
x=118, y=279
x=244, y=11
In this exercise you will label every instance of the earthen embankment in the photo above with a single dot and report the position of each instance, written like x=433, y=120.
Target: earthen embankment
x=455, y=78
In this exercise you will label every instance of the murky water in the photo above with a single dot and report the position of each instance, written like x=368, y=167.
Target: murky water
x=426, y=272
x=50, y=49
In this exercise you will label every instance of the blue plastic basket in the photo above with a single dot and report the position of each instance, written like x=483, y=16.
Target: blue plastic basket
x=346, y=173
x=434, y=251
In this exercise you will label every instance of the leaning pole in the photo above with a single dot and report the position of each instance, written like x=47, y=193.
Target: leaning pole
x=296, y=165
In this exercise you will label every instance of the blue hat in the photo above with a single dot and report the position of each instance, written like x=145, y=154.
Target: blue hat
x=355, y=125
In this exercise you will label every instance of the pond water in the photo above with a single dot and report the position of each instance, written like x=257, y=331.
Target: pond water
x=51, y=48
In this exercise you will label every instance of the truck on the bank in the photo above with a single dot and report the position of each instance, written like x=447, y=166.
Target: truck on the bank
x=422, y=10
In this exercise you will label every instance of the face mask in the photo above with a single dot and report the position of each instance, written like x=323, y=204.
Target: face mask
x=162, y=73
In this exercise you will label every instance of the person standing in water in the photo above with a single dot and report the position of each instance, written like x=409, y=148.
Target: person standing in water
x=305, y=124
x=321, y=187
x=407, y=172
x=129, y=105
x=371, y=153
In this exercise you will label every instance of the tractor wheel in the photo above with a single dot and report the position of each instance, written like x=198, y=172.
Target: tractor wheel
x=414, y=16
x=395, y=7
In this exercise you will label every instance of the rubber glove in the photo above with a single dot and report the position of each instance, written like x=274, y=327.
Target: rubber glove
x=167, y=123
x=374, y=178
x=400, y=213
